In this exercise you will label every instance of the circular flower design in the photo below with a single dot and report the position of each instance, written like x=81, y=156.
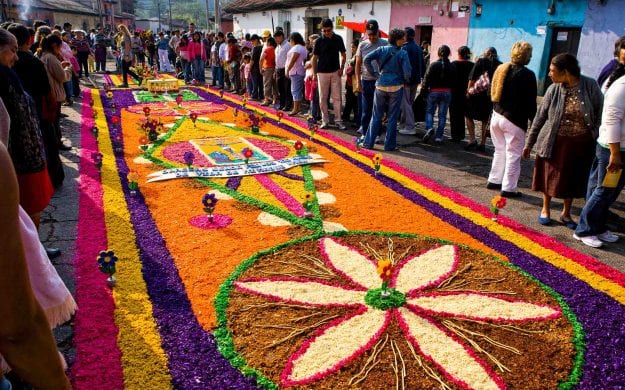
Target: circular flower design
x=450, y=316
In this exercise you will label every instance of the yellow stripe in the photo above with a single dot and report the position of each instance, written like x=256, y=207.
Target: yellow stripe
x=143, y=360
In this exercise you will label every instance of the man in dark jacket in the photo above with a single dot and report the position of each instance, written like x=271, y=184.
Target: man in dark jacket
x=415, y=55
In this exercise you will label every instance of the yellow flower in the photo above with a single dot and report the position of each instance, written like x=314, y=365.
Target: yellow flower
x=308, y=197
x=385, y=268
x=133, y=176
x=377, y=158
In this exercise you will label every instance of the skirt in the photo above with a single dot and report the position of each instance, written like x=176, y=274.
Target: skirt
x=35, y=191
x=565, y=174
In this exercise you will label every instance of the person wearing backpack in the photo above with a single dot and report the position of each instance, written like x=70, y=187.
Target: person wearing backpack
x=479, y=106
x=394, y=72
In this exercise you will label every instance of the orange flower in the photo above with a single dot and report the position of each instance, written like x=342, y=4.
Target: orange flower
x=377, y=158
x=385, y=269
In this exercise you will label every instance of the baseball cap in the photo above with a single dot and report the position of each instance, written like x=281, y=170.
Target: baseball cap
x=266, y=34
x=372, y=26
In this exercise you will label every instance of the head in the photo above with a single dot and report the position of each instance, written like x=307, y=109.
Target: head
x=425, y=45
x=58, y=27
x=397, y=37
x=443, y=52
x=38, y=23
x=247, y=58
x=410, y=33
x=491, y=53
x=123, y=29
x=521, y=53
x=21, y=34
x=67, y=26
x=372, y=30
x=271, y=42
x=265, y=35
x=464, y=53
x=177, y=33
x=51, y=44
x=220, y=36
x=197, y=37
x=232, y=41
x=297, y=39
x=564, y=68
x=355, y=43
x=279, y=36
x=312, y=38
x=327, y=27
x=191, y=27
x=184, y=40
x=619, y=50
x=42, y=32
x=8, y=48
x=80, y=34
x=255, y=39
x=161, y=35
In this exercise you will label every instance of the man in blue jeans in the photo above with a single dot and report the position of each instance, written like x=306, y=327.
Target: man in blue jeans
x=365, y=79
x=394, y=73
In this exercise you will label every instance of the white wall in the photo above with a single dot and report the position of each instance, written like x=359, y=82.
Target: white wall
x=256, y=22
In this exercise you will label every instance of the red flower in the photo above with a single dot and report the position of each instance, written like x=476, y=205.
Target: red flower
x=298, y=145
x=146, y=110
x=179, y=99
x=248, y=153
x=115, y=120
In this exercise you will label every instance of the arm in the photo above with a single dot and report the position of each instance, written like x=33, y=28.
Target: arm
x=343, y=60
x=539, y=120
x=262, y=58
x=358, y=70
x=26, y=341
x=406, y=67
x=313, y=63
x=374, y=55
x=596, y=97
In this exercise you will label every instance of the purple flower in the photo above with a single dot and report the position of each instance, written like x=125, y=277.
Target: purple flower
x=106, y=262
x=188, y=157
x=96, y=157
x=209, y=201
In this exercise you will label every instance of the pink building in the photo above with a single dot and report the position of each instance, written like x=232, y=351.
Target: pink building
x=439, y=22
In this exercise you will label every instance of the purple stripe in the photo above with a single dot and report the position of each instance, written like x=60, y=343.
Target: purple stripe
x=193, y=358
x=600, y=315
x=234, y=182
x=289, y=175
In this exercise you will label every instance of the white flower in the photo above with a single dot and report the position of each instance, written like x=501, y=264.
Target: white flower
x=343, y=340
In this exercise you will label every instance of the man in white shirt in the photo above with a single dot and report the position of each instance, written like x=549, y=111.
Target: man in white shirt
x=284, y=84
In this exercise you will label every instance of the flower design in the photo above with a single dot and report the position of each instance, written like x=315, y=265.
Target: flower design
x=106, y=262
x=209, y=200
x=413, y=303
x=498, y=203
x=146, y=111
x=115, y=120
x=188, y=157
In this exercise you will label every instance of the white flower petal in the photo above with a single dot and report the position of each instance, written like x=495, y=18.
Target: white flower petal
x=325, y=198
x=482, y=307
x=141, y=160
x=330, y=227
x=335, y=346
x=220, y=195
x=457, y=362
x=271, y=220
x=303, y=292
x=427, y=269
x=350, y=263
x=318, y=174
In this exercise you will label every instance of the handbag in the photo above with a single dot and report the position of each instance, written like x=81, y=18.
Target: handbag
x=482, y=84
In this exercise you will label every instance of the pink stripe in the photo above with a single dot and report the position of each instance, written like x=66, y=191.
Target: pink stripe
x=98, y=359
x=291, y=203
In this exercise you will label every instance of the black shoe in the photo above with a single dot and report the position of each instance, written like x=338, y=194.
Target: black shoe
x=507, y=194
x=471, y=145
x=53, y=253
x=493, y=186
x=428, y=135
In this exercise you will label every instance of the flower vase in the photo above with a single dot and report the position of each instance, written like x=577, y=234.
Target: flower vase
x=133, y=193
x=111, y=280
x=385, y=293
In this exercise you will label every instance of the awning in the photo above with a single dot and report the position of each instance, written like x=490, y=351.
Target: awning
x=360, y=27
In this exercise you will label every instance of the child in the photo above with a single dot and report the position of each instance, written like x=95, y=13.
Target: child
x=247, y=71
x=310, y=92
x=244, y=50
x=351, y=100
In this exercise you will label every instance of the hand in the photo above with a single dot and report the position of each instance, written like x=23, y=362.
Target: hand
x=287, y=76
x=65, y=64
x=340, y=72
x=615, y=162
x=526, y=153
x=314, y=76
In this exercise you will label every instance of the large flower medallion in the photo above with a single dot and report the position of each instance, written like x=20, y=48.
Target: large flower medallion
x=321, y=314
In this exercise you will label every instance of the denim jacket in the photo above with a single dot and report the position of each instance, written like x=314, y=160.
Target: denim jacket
x=395, y=66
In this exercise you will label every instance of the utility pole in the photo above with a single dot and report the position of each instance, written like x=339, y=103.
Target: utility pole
x=208, y=17
x=158, y=7
x=217, y=16
x=170, y=28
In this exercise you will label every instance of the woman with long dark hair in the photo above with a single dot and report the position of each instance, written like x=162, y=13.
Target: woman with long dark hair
x=458, y=105
x=439, y=80
x=610, y=154
x=564, y=132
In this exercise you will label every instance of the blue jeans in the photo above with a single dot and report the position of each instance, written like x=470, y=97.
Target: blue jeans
x=186, y=69
x=440, y=100
x=594, y=215
x=198, y=70
x=389, y=102
x=367, y=92
x=315, y=110
x=250, y=86
x=257, y=83
x=218, y=76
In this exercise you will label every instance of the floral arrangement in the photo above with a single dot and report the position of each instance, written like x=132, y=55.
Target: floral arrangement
x=247, y=154
x=308, y=204
x=377, y=159
x=188, y=157
x=133, y=182
x=209, y=201
x=299, y=147
x=145, y=72
x=97, y=158
x=496, y=204
x=107, y=264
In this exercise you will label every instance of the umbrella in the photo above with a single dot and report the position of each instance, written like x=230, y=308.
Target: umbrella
x=360, y=27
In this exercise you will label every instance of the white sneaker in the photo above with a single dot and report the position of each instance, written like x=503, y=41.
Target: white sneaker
x=407, y=132
x=592, y=241
x=608, y=236
x=324, y=126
